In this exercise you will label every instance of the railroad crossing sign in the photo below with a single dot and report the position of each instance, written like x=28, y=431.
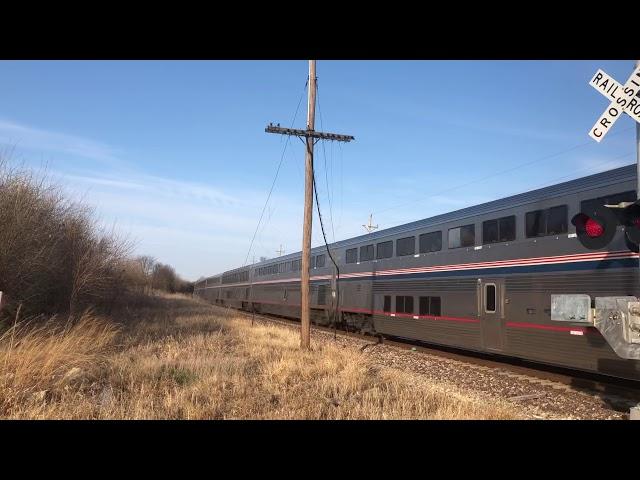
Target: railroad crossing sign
x=623, y=99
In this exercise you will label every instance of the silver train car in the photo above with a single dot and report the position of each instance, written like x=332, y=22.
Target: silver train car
x=479, y=278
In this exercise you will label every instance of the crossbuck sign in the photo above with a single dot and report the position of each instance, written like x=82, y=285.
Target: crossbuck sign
x=623, y=99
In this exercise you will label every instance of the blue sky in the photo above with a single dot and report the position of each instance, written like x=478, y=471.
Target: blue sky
x=174, y=153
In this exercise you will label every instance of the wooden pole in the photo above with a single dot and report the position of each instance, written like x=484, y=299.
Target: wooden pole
x=310, y=137
x=305, y=332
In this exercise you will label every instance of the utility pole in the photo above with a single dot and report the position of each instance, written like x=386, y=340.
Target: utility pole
x=310, y=134
x=370, y=228
x=305, y=314
x=280, y=252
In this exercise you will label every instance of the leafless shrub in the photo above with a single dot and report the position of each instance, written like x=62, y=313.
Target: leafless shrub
x=53, y=256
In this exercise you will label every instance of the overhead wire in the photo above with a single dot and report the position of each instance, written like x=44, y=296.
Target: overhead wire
x=326, y=244
x=275, y=178
x=495, y=174
x=324, y=152
x=549, y=182
x=599, y=164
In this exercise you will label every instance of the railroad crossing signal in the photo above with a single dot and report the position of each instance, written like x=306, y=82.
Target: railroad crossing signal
x=623, y=101
x=595, y=228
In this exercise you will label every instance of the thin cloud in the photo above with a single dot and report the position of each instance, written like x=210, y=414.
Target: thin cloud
x=201, y=230
x=159, y=185
x=12, y=133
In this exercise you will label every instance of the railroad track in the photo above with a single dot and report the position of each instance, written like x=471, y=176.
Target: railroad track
x=617, y=394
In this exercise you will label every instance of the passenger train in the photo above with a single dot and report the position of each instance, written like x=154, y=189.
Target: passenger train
x=479, y=278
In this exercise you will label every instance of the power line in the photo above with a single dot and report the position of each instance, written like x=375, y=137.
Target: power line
x=553, y=182
x=326, y=244
x=543, y=185
x=326, y=178
x=502, y=172
x=341, y=187
x=276, y=176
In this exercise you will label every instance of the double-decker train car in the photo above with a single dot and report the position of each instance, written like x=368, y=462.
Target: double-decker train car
x=479, y=278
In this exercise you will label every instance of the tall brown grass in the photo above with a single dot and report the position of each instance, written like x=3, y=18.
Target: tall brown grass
x=42, y=363
x=187, y=360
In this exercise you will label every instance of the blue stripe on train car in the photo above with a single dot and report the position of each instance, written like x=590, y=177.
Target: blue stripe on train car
x=484, y=272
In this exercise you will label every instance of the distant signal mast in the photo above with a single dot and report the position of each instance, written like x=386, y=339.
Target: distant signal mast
x=370, y=228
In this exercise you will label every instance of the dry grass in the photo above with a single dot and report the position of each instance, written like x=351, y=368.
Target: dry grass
x=188, y=360
x=42, y=365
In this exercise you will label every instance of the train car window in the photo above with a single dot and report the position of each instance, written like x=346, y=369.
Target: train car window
x=468, y=235
x=400, y=304
x=352, y=255
x=434, y=306
x=490, y=298
x=384, y=250
x=499, y=230
x=322, y=294
x=557, y=220
x=387, y=303
x=490, y=233
x=408, y=304
x=313, y=262
x=423, y=306
x=462, y=236
x=404, y=304
x=430, y=242
x=405, y=246
x=507, y=227
x=536, y=223
x=320, y=261
x=547, y=222
x=454, y=237
x=366, y=253
x=430, y=306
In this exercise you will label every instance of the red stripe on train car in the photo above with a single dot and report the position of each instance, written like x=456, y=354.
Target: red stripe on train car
x=537, y=326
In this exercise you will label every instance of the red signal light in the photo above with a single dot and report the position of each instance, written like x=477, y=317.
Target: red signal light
x=594, y=229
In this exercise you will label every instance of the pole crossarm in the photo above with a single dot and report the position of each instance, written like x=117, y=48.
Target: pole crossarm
x=308, y=133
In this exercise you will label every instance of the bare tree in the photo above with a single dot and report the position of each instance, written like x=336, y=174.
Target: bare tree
x=147, y=263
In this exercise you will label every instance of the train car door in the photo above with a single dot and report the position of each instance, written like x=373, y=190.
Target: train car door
x=491, y=312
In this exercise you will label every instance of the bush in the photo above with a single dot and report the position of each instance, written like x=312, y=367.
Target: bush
x=53, y=256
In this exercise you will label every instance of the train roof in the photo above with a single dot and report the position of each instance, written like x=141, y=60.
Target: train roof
x=602, y=179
